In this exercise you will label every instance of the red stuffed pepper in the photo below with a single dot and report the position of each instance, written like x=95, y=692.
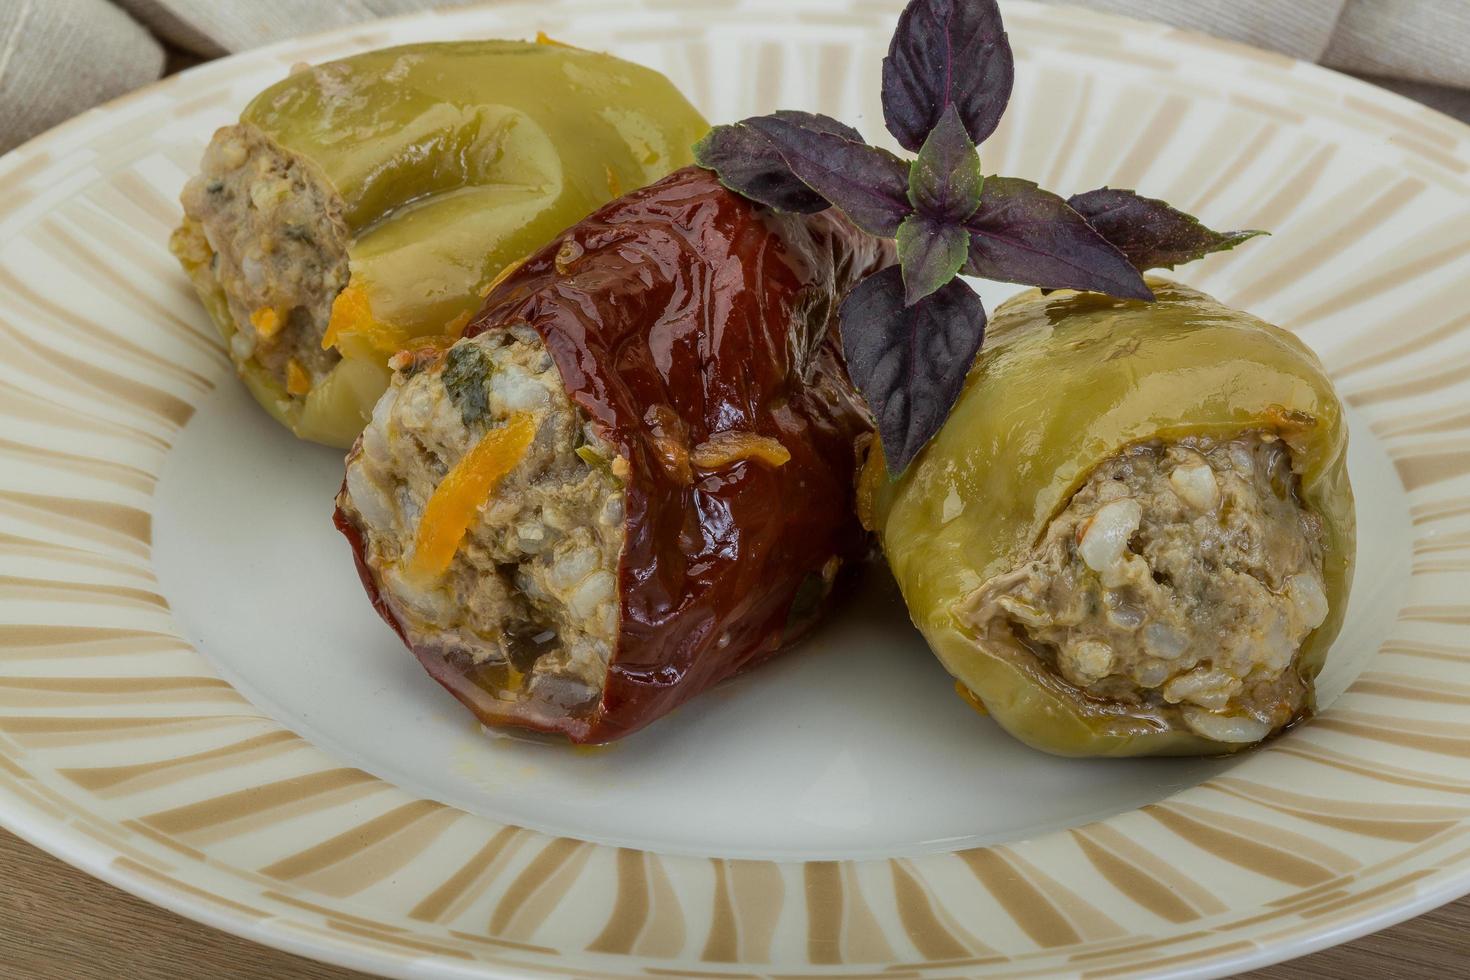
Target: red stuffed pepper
x=633, y=477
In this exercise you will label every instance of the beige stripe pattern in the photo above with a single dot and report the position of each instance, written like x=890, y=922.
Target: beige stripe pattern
x=122, y=749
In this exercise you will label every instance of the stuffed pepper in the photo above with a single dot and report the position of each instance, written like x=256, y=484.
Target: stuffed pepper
x=365, y=203
x=1135, y=533
x=635, y=474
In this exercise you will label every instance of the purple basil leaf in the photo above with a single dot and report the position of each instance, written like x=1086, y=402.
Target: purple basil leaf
x=930, y=253
x=1024, y=234
x=909, y=362
x=865, y=183
x=818, y=123
x=946, y=52
x=749, y=164
x=1151, y=233
x=945, y=179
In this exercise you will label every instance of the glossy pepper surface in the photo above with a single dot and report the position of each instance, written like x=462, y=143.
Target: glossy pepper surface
x=1064, y=382
x=451, y=161
x=697, y=331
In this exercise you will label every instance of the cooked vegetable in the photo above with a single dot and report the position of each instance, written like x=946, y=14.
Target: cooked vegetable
x=364, y=205
x=456, y=502
x=1135, y=534
x=687, y=498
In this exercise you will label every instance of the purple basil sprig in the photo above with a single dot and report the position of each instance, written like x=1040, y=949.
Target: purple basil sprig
x=911, y=333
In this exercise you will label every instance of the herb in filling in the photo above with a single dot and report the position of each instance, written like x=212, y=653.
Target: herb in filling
x=466, y=369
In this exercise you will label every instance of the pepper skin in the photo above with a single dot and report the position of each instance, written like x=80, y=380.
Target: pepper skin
x=676, y=313
x=447, y=162
x=1063, y=382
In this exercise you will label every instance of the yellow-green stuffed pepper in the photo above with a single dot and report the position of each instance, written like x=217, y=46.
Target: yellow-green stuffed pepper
x=369, y=202
x=1135, y=534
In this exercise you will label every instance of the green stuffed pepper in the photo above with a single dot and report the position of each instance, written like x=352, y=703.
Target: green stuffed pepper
x=1134, y=534
x=366, y=205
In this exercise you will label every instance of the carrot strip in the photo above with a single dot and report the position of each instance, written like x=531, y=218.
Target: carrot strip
x=456, y=502
x=724, y=448
x=298, y=382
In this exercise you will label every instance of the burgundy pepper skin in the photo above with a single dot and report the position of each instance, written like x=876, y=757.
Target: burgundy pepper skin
x=675, y=313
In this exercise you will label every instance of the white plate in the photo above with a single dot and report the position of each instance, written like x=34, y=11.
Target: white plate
x=196, y=702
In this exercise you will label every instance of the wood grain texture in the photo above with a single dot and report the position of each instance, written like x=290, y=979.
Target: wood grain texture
x=58, y=923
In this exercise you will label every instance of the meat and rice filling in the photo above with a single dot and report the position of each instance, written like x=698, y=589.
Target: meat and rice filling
x=1182, y=577
x=278, y=252
x=531, y=591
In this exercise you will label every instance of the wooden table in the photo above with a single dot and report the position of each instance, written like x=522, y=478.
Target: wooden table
x=57, y=923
